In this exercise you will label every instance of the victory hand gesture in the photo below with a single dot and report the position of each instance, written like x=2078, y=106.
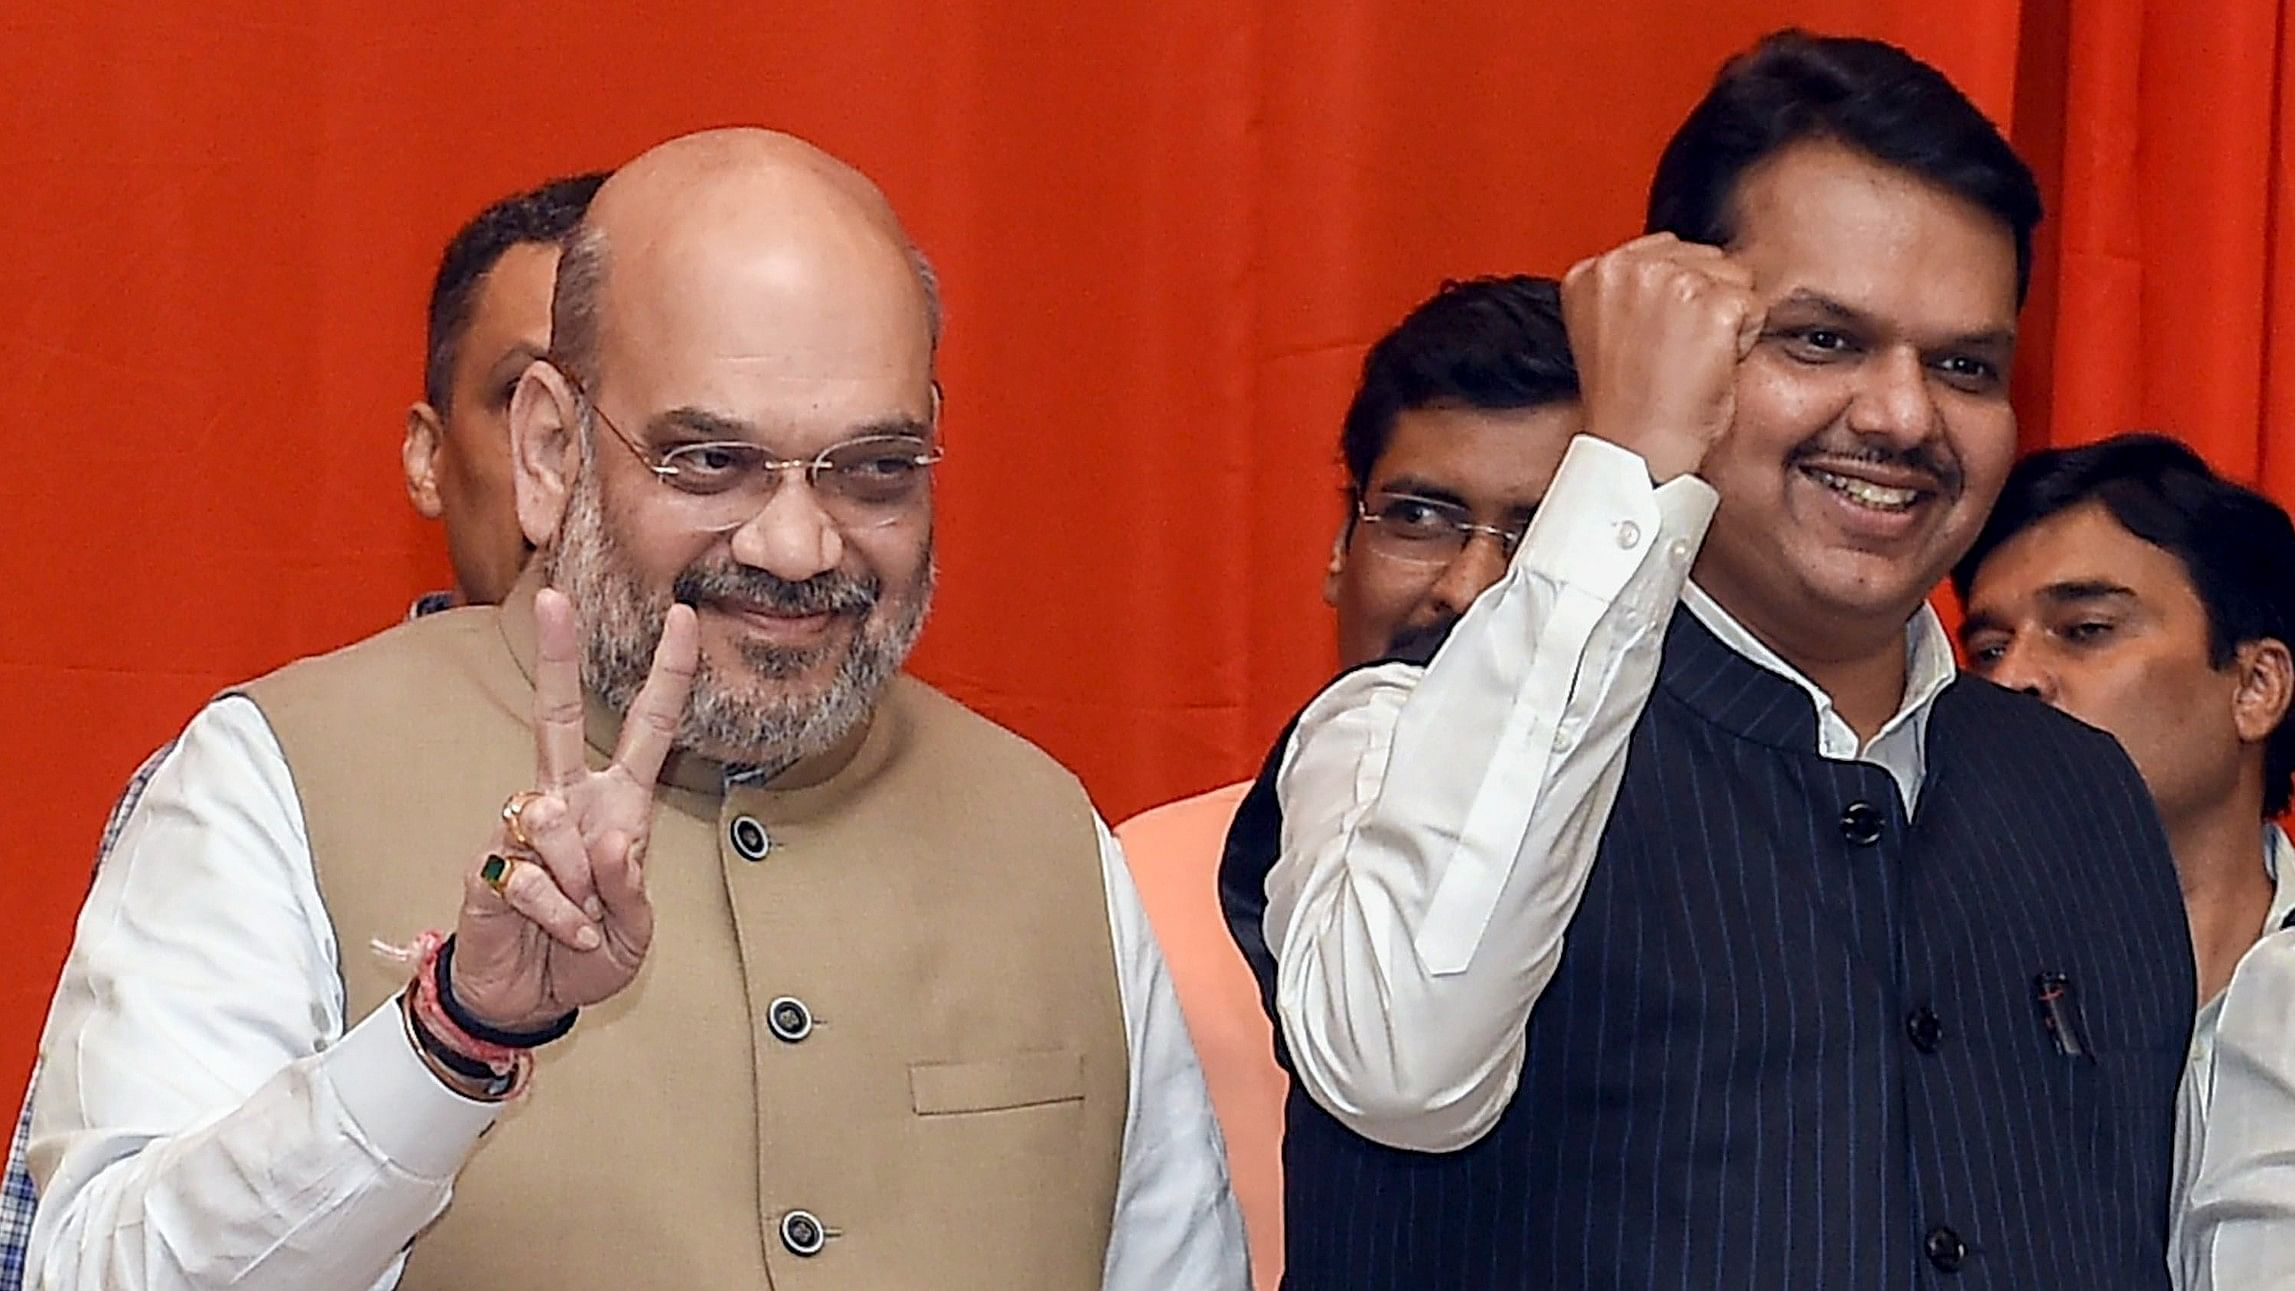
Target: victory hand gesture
x=555, y=916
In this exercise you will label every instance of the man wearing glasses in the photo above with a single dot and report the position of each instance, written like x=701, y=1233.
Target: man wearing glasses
x=904, y=1025
x=1455, y=429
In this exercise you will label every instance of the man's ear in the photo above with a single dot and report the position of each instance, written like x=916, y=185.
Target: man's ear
x=2266, y=688
x=545, y=450
x=1338, y=565
x=418, y=457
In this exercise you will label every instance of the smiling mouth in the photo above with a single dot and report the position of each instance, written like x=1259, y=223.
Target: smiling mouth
x=777, y=622
x=1865, y=493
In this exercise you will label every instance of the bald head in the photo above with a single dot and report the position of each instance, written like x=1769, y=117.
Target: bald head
x=739, y=213
x=736, y=302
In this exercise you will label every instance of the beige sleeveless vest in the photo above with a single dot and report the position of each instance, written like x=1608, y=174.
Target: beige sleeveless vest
x=928, y=899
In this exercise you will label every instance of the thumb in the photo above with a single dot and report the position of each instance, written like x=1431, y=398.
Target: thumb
x=1751, y=319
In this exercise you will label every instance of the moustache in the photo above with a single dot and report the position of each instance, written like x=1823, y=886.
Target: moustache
x=1929, y=457
x=828, y=593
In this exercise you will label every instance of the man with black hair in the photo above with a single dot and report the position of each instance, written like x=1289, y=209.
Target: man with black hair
x=1455, y=429
x=2131, y=586
x=489, y=318
x=1684, y=920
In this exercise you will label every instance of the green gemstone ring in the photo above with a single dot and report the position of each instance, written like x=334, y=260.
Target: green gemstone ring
x=495, y=873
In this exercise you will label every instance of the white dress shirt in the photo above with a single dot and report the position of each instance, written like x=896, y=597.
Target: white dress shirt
x=2231, y=1222
x=205, y=1117
x=1439, y=824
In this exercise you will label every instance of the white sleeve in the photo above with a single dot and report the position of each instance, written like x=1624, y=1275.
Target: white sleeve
x=1176, y=1224
x=2239, y=1223
x=1439, y=823
x=202, y=1119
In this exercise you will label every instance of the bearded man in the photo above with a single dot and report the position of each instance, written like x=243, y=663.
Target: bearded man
x=903, y=1025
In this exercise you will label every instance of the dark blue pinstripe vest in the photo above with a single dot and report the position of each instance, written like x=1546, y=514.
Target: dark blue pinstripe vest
x=1796, y=1041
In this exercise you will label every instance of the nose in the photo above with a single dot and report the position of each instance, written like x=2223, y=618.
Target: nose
x=1477, y=565
x=2022, y=667
x=1893, y=398
x=791, y=537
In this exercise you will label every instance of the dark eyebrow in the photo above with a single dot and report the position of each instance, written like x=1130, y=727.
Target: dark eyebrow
x=906, y=426
x=2000, y=338
x=1979, y=621
x=702, y=425
x=1418, y=488
x=2076, y=590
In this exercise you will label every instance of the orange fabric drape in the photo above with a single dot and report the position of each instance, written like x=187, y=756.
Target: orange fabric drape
x=1166, y=231
x=2167, y=289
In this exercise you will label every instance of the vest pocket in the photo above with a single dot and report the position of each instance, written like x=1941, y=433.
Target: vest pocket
x=996, y=1084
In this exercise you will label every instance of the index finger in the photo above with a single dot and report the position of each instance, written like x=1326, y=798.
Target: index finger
x=650, y=727
x=558, y=741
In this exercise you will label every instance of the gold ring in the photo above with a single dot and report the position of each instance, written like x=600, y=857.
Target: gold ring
x=495, y=872
x=511, y=810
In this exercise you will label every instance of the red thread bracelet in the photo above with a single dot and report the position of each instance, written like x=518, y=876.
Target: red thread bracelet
x=502, y=1058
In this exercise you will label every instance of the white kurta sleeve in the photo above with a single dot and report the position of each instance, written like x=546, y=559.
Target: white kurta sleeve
x=1439, y=824
x=1176, y=1223
x=202, y=1118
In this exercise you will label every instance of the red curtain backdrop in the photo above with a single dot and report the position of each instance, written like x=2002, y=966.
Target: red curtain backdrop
x=1166, y=232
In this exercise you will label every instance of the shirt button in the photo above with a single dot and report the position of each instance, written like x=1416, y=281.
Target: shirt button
x=788, y=1019
x=802, y=1233
x=1861, y=824
x=1678, y=552
x=1629, y=534
x=1925, y=1028
x=1945, y=1249
x=750, y=842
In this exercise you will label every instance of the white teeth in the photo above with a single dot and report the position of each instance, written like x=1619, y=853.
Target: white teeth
x=1874, y=495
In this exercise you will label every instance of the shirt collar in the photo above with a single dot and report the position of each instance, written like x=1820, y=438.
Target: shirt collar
x=2278, y=861
x=1901, y=746
x=1929, y=664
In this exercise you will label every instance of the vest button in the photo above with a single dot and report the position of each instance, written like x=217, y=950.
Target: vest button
x=1861, y=824
x=1945, y=1249
x=802, y=1233
x=788, y=1019
x=1925, y=1028
x=750, y=842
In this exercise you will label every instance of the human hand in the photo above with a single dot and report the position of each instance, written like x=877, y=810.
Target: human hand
x=1658, y=327
x=570, y=922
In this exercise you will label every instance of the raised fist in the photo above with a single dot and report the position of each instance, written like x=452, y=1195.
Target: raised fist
x=1658, y=327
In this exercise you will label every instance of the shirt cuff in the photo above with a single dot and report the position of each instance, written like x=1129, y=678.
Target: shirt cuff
x=415, y=1122
x=1601, y=516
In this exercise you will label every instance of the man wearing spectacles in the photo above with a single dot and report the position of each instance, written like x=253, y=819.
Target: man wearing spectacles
x=1459, y=421
x=904, y=1025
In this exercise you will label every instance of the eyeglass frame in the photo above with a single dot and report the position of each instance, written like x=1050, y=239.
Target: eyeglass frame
x=1508, y=540
x=651, y=458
